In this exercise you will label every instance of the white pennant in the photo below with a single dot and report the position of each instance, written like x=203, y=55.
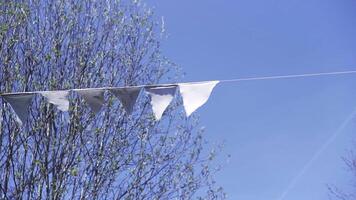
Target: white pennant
x=57, y=98
x=20, y=104
x=161, y=97
x=127, y=97
x=195, y=94
x=94, y=97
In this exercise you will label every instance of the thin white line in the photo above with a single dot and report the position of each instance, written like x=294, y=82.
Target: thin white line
x=290, y=76
x=316, y=155
x=222, y=81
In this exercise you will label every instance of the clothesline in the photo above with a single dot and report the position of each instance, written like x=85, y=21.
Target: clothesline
x=221, y=81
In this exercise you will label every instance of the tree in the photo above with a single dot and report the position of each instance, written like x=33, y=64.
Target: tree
x=64, y=44
x=339, y=194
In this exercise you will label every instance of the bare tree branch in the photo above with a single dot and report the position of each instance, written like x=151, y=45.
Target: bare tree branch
x=62, y=44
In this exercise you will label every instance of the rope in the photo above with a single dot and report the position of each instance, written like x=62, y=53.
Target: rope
x=289, y=76
x=221, y=81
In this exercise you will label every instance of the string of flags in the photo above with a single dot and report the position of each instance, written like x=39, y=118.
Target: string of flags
x=194, y=95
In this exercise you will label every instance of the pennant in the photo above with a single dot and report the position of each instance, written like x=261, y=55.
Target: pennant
x=195, y=94
x=20, y=104
x=94, y=97
x=161, y=97
x=127, y=97
x=57, y=98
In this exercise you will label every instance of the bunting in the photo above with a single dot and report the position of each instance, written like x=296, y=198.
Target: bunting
x=20, y=104
x=194, y=95
x=57, y=98
x=161, y=97
x=127, y=97
x=94, y=98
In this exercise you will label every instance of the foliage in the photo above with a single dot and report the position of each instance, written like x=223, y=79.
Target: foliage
x=63, y=44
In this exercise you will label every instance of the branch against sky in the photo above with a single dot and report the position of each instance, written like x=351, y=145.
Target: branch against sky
x=63, y=44
x=337, y=193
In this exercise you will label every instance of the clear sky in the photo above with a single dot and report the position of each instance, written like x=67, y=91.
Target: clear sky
x=271, y=128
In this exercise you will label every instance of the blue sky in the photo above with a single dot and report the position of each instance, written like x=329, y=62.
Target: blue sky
x=271, y=128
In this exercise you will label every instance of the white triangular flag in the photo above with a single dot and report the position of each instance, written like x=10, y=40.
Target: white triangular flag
x=195, y=94
x=57, y=98
x=94, y=97
x=20, y=104
x=127, y=97
x=161, y=97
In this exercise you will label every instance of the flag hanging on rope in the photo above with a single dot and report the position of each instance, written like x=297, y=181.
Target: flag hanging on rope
x=94, y=98
x=195, y=94
x=20, y=104
x=57, y=98
x=127, y=97
x=161, y=97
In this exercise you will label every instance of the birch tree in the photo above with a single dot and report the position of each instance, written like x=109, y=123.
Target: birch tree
x=65, y=44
